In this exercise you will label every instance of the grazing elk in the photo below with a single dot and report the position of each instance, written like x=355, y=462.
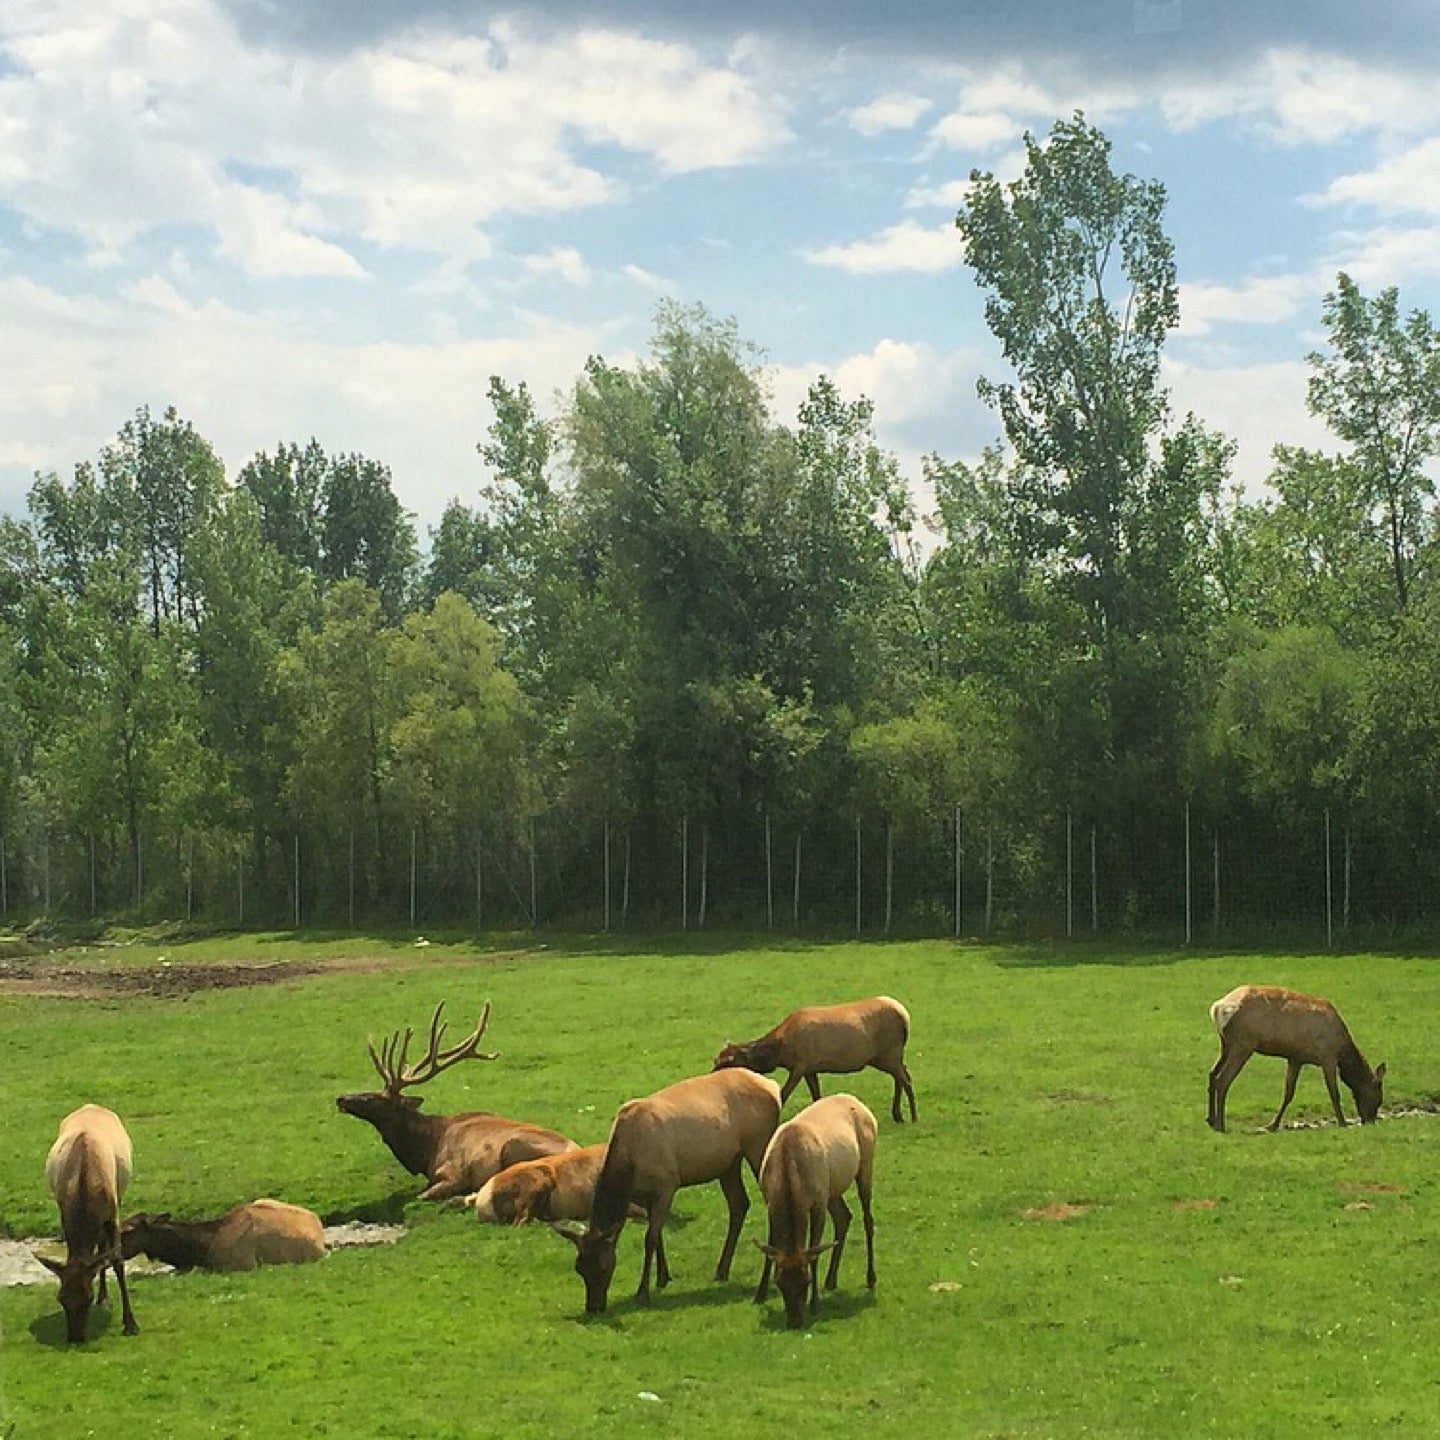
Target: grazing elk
x=457, y=1154
x=690, y=1133
x=832, y=1040
x=87, y=1170
x=264, y=1232
x=808, y=1166
x=1304, y=1030
x=554, y=1187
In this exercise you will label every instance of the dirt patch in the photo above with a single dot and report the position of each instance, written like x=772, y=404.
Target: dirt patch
x=1057, y=1210
x=1077, y=1097
x=18, y=1265
x=91, y=982
x=1196, y=1204
x=1368, y=1187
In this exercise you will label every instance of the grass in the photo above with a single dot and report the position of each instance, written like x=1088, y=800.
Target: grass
x=1051, y=1081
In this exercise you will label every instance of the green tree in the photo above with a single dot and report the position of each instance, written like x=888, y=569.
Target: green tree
x=288, y=488
x=1378, y=389
x=365, y=534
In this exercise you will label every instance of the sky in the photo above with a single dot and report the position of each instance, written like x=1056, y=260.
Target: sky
x=339, y=218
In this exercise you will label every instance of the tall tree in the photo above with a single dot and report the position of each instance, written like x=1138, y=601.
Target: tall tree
x=1378, y=388
x=365, y=534
x=1081, y=291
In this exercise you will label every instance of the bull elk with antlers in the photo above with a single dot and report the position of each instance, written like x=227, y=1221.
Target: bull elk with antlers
x=457, y=1154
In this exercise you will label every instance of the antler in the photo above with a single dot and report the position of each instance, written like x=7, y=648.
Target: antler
x=392, y=1059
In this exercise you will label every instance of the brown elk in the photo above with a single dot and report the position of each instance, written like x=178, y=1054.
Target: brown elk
x=554, y=1187
x=689, y=1133
x=832, y=1040
x=1303, y=1030
x=268, y=1232
x=87, y=1170
x=457, y=1154
x=808, y=1166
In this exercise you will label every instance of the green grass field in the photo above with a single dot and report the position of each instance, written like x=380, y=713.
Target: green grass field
x=1246, y=1284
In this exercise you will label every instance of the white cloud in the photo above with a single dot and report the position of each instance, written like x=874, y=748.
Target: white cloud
x=1263, y=300
x=1257, y=406
x=907, y=246
x=116, y=123
x=72, y=370
x=1303, y=97
x=564, y=261
x=970, y=130
x=1409, y=181
x=949, y=195
x=889, y=112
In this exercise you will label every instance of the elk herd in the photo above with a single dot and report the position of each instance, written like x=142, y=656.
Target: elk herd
x=702, y=1129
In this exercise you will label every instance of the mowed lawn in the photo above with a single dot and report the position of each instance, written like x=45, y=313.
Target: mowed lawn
x=1063, y=1247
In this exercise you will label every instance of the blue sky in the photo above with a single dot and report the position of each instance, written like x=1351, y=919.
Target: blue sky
x=338, y=218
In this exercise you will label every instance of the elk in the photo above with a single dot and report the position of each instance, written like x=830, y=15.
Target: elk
x=268, y=1232
x=457, y=1154
x=554, y=1187
x=689, y=1133
x=832, y=1040
x=1304, y=1030
x=87, y=1169
x=809, y=1164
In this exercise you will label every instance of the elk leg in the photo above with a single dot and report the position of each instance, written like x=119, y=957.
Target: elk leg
x=763, y=1288
x=840, y=1215
x=903, y=1086
x=788, y=1088
x=1292, y=1074
x=662, y=1265
x=817, y=1233
x=658, y=1211
x=733, y=1185
x=813, y=1082
x=1334, y=1089
x=862, y=1189
x=443, y=1187
x=128, y=1325
x=1222, y=1077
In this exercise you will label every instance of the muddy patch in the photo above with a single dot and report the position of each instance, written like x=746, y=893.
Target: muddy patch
x=1201, y=1204
x=1056, y=1210
x=18, y=1265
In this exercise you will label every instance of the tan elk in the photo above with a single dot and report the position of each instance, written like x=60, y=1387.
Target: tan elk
x=264, y=1232
x=808, y=1166
x=832, y=1040
x=87, y=1170
x=1303, y=1030
x=689, y=1133
x=457, y=1154
x=554, y=1187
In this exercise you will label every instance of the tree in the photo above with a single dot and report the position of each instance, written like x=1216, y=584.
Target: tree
x=1082, y=290
x=288, y=488
x=1379, y=390
x=365, y=535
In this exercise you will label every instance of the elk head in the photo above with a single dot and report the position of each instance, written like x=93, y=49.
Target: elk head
x=77, y=1290
x=758, y=1055
x=389, y=1109
x=1369, y=1094
x=792, y=1277
x=594, y=1261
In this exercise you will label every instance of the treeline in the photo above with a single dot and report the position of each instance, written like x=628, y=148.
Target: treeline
x=683, y=664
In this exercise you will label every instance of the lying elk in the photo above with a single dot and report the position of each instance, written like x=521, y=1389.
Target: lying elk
x=808, y=1166
x=457, y=1154
x=87, y=1170
x=832, y=1040
x=1304, y=1030
x=554, y=1187
x=689, y=1133
x=264, y=1232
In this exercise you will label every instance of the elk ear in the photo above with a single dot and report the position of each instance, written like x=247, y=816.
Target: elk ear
x=1380, y=1071
x=573, y=1236
x=816, y=1251
x=769, y=1251
x=55, y=1267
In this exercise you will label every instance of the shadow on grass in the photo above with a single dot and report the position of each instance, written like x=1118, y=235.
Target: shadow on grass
x=835, y=1305
x=49, y=1328
x=388, y=1210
